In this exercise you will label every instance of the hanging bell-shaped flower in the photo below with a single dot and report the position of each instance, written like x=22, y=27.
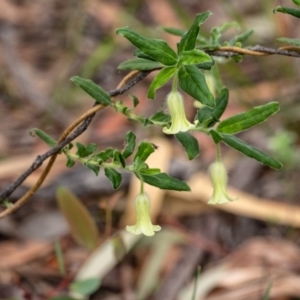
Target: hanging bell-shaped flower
x=177, y=112
x=218, y=176
x=143, y=224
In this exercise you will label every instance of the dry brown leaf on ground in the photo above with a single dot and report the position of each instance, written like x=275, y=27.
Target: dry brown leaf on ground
x=257, y=264
x=20, y=253
x=13, y=167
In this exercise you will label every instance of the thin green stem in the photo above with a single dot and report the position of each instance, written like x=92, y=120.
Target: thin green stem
x=218, y=153
x=175, y=83
x=142, y=185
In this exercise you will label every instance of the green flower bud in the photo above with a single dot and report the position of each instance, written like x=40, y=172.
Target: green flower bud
x=218, y=176
x=143, y=224
x=178, y=118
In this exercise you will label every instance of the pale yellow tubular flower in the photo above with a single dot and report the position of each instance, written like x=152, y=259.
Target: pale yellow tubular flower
x=218, y=176
x=177, y=112
x=143, y=223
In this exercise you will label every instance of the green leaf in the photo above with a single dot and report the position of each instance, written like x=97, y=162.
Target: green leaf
x=165, y=182
x=205, y=117
x=148, y=171
x=82, y=225
x=114, y=177
x=140, y=54
x=192, y=81
x=93, y=167
x=248, y=119
x=156, y=48
x=144, y=150
x=188, y=40
x=139, y=64
x=94, y=90
x=189, y=143
x=105, y=154
x=295, y=42
x=85, y=286
x=287, y=10
x=84, y=151
x=140, y=165
x=174, y=31
x=50, y=141
x=130, y=139
x=216, y=32
x=250, y=151
x=70, y=162
x=241, y=38
x=221, y=104
x=162, y=77
x=135, y=100
x=160, y=118
x=118, y=158
x=216, y=136
x=195, y=56
x=297, y=2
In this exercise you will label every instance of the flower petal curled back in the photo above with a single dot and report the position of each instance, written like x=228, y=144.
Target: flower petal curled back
x=179, y=122
x=143, y=224
x=218, y=176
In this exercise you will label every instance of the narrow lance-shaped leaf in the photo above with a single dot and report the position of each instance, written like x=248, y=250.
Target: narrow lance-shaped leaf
x=188, y=40
x=119, y=159
x=50, y=141
x=160, y=118
x=81, y=223
x=174, y=31
x=151, y=171
x=287, y=10
x=156, y=48
x=165, y=182
x=162, y=77
x=139, y=64
x=85, y=286
x=94, y=90
x=250, y=151
x=144, y=150
x=114, y=177
x=140, y=54
x=216, y=136
x=205, y=117
x=297, y=2
x=195, y=57
x=189, y=143
x=295, y=42
x=135, y=100
x=192, y=81
x=93, y=167
x=240, y=38
x=209, y=116
x=221, y=104
x=248, y=119
x=130, y=144
x=84, y=151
